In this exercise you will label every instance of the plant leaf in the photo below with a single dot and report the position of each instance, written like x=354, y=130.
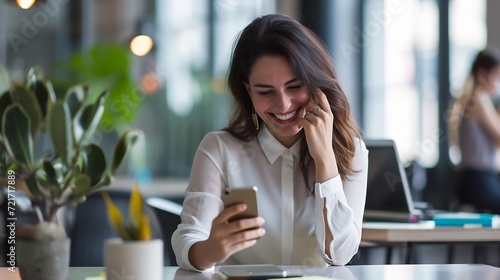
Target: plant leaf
x=145, y=232
x=135, y=209
x=27, y=99
x=59, y=129
x=45, y=95
x=81, y=185
x=122, y=148
x=18, y=140
x=115, y=217
x=75, y=98
x=50, y=173
x=32, y=75
x=32, y=185
x=34, y=79
x=5, y=101
x=60, y=169
x=94, y=163
x=4, y=80
x=50, y=91
x=89, y=118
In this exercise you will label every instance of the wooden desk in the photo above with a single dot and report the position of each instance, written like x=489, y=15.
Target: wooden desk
x=358, y=272
x=394, y=233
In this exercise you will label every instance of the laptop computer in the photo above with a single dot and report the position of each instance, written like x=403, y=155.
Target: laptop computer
x=388, y=197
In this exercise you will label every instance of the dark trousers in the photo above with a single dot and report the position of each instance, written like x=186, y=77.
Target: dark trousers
x=481, y=189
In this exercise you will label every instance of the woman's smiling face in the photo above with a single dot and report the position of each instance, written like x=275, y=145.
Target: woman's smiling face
x=278, y=97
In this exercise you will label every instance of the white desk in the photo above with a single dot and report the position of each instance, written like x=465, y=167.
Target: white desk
x=361, y=272
x=171, y=188
x=409, y=234
x=394, y=232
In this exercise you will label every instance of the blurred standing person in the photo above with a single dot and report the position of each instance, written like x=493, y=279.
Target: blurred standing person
x=475, y=125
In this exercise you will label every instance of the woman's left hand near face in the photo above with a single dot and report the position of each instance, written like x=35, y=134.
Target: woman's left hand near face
x=318, y=126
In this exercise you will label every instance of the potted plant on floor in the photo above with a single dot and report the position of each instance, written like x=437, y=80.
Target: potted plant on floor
x=46, y=149
x=135, y=254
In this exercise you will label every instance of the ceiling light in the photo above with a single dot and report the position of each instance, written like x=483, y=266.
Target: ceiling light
x=25, y=4
x=141, y=45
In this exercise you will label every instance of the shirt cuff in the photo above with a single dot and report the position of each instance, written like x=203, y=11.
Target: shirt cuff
x=328, y=188
x=189, y=266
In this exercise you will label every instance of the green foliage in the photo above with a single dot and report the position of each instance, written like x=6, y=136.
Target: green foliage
x=4, y=80
x=107, y=67
x=73, y=166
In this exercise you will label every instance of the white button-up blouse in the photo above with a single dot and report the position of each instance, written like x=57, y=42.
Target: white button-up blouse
x=295, y=228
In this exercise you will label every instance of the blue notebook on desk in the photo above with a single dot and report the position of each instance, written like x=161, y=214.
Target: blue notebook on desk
x=467, y=220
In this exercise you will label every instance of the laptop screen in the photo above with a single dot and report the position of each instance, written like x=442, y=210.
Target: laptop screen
x=388, y=194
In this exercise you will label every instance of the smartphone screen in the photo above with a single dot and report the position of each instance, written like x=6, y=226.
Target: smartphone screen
x=247, y=195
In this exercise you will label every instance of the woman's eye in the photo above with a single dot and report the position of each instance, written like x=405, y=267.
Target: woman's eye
x=295, y=87
x=265, y=92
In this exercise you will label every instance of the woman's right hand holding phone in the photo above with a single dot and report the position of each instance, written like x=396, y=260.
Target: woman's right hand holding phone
x=226, y=238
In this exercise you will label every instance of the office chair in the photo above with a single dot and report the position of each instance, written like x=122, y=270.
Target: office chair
x=88, y=227
x=168, y=213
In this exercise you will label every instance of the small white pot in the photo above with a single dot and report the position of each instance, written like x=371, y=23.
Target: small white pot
x=133, y=259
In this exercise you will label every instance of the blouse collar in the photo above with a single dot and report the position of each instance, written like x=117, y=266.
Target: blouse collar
x=272, y=148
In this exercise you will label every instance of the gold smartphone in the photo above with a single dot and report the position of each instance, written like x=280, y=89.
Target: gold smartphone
x=247, y=195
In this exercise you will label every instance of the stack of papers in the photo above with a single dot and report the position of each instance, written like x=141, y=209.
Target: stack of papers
x=463, y=219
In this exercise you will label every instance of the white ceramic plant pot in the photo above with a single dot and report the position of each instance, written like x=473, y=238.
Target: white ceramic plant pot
x=133, y=259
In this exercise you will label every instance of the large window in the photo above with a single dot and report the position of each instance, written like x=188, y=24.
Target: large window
x=404, y=105
x=192, y=56
x=467, y=38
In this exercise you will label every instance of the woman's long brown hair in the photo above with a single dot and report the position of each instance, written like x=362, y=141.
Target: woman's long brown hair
x=281, y=35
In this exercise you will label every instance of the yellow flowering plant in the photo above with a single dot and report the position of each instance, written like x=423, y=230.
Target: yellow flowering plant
x=138, y=226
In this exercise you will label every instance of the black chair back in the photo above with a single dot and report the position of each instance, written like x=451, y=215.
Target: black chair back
x=168, y=213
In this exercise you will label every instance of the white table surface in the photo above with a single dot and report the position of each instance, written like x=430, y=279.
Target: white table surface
x=361, y=272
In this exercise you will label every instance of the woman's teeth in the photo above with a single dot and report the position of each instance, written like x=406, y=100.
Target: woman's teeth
x=286, y=117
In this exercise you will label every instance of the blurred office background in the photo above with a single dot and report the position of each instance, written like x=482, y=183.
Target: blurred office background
x=399, y=61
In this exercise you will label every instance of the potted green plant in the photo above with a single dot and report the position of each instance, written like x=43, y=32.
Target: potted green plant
x=73, y=166
x=135, y=254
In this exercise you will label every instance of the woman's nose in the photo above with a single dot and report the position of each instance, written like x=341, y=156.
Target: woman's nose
x=283, y=101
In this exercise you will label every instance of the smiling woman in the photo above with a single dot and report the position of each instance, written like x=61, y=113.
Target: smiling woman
x=292, y=136
x=278, y=97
